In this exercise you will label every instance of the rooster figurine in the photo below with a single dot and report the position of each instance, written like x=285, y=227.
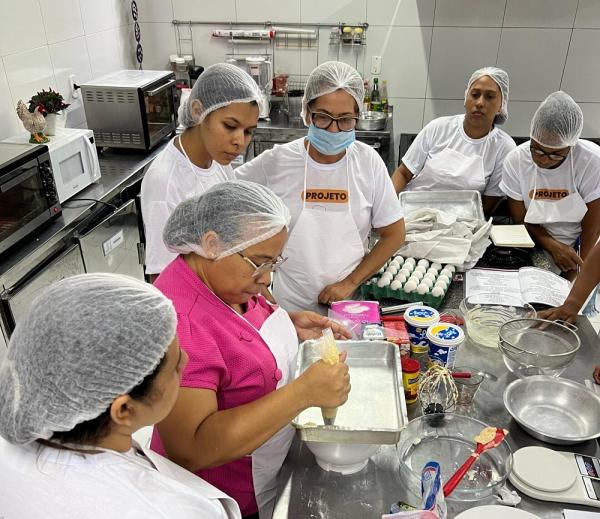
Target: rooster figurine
x=34, y=123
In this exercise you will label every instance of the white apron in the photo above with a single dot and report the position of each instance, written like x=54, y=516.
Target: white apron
x=279, y=334
x=452, y=170
x=323, y=248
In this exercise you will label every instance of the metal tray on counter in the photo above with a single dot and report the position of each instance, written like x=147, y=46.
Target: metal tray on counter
x=462, y=204
x=375, y=411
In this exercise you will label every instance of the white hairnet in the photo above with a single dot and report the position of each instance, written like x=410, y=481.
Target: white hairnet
x=329, y=77
x=242, y=214
x=501, y=79
x=84, y=341
x=218, y=86
x=558, y=121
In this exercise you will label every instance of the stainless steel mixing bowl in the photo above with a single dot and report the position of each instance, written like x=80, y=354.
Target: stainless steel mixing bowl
x=532, y=346
x=554, y=410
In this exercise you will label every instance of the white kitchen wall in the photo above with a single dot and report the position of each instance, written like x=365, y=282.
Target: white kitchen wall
x=43, y=42
x=429, y=47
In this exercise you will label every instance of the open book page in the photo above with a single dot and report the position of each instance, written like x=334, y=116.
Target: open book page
x=542, y=286
x=493, y=286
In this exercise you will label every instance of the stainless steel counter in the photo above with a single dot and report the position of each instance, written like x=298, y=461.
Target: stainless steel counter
x=120, y=169
x=306, y=491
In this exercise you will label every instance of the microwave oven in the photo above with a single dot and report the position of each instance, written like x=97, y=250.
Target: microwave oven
x=73, y=157
x=131, y=108
x=28, y=196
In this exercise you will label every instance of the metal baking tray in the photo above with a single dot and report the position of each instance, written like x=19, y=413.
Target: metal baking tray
x=375, y=411
x=462, y=204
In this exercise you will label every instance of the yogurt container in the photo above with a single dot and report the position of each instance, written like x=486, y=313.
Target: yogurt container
x=444, y=339
x=418, y=319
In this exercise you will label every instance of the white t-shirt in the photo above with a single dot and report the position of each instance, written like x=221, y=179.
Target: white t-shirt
x=372, y=198
x=580, y=172
x=445, y=132
x=38, y=481
x=170, y=180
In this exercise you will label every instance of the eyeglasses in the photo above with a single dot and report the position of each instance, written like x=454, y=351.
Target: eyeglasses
x=323, y=121
x=267, y=266
x=552, y=156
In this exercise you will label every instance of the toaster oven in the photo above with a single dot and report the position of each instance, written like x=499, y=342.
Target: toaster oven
x=131, y=108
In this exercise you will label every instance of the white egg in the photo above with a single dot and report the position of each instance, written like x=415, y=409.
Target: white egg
x=446, y=273
x=394, y=263
x=383, y=282
x=392, y=270
x=423, y=289
x=441, y=283
x=430, y=275
x=414, y=279
x=400, y=277
x=423, y=263
x=444, y=278
x=451, y=268
x=436, y=266
x=427, y=281
x=381, y=270
x=410, y=286
x=408, y=266
x=399, y=259
x=396, y=285
x=406, y=272
x=437, y=291
x=418, y=274
x=410, y=260
x=433, y=271
x=421, y=269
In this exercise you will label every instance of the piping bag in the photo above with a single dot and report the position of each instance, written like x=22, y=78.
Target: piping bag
x=330, y=355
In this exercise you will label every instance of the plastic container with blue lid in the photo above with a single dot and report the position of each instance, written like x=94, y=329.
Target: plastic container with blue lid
x=444, y=340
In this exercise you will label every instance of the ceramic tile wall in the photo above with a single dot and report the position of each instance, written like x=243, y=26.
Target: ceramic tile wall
x=43, y=42
x=429, y=47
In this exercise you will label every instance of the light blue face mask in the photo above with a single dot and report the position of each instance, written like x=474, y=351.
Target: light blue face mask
x=330, y=143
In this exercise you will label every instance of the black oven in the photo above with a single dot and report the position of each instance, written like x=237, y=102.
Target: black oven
x=28, y=197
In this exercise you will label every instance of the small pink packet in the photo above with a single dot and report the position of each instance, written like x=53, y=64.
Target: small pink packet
x=357, y=311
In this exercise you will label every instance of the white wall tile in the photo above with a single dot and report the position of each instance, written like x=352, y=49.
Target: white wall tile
x=408, y=12
x=591, y=119
x=102, y=16
x=209, y=50
x=155, y=11
x=519, y=117
x=405, y=70
x=21, y=26
x=455, y=54
x=408, y=118
x=11, y=124
x=272, y=10
x=469, y=13
x=534, y=71
x=111, y=50
x=435, y=108
x=287, y=61
x=158, y=42
x=70, y=57
x=540, y=13
x=310, y=58
x=588, y=14
x=28, y=72
x=333, y=11
x=223, y=10
x=582, y=73
x=62, y=19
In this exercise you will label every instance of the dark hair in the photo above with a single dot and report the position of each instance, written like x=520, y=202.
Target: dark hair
x=92, y=431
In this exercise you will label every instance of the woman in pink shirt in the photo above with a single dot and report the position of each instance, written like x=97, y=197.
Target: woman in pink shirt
x=230, y=424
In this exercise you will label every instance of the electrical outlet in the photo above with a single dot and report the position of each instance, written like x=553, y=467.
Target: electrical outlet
x=375, y=65
x=72, y=83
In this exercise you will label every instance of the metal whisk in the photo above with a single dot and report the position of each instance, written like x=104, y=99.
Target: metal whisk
x=437, y=391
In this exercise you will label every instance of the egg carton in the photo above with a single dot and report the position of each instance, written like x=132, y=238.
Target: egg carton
x=378, y=293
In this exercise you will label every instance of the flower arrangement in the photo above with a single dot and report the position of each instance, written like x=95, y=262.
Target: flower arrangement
x=48, y=101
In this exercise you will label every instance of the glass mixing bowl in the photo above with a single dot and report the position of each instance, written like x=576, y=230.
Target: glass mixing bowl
x=450, y=440
x=483, y=318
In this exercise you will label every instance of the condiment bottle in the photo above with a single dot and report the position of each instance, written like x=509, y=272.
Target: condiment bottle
x=410, y=379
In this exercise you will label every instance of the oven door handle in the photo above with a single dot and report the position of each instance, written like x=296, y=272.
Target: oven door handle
x=18, y=179
x=168, y=84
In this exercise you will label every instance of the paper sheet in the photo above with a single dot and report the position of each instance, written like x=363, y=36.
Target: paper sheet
x=541, y=286
x=578, y=514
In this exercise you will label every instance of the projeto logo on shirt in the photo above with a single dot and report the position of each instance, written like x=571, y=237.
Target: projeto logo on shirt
x=549, y=194
x=329, y=196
